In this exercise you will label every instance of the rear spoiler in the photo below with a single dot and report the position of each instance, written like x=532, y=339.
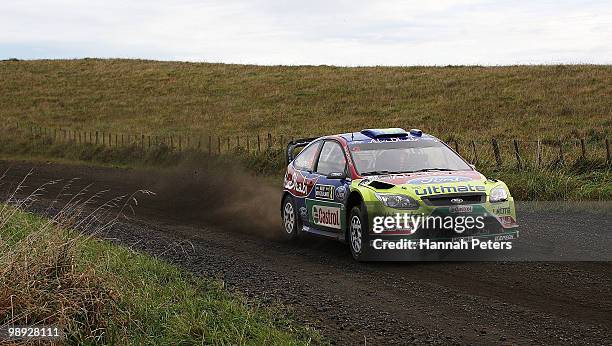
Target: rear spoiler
x=297, y=143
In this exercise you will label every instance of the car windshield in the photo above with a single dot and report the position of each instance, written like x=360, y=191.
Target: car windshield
x=420, y=155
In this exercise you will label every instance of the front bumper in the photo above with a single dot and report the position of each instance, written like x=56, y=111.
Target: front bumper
x=497, y=225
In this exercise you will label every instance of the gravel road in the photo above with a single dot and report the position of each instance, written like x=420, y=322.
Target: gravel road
x=505, y=302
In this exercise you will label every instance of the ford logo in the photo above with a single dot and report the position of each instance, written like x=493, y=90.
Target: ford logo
x=456, y=201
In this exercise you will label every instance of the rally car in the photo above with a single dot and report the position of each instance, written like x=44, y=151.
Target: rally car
x=337, y=186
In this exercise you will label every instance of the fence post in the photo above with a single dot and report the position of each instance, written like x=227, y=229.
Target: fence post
x=582, y=148
x=474, y=153
x=200, y=143
x=97, y=137
x=269, y=140
x=209, y=145
x=219, y=144
x=247, y=144
x=228, y=144
x=498, y=159
x=180, y=142
x=538, y=153
x=519, y=163
x=608, y=152
x=258, y=143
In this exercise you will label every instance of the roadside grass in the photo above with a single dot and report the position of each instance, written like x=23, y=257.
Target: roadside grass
x=556, y=185
x=102, y=293
x=170, y=98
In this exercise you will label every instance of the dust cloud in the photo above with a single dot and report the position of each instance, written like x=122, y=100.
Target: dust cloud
x=220, y=194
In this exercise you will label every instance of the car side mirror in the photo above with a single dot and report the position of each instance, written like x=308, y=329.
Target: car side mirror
x=336, y=175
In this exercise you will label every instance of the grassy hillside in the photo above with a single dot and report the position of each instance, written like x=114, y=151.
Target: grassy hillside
x=173, y=97
x=136, y=97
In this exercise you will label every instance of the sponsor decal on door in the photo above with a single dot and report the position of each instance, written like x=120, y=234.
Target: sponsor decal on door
x=326, y=216
x=324, y=192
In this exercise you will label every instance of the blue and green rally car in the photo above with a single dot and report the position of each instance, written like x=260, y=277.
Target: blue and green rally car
x=342, y=186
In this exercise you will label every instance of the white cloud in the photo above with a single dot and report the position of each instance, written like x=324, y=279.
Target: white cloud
x=312, y=32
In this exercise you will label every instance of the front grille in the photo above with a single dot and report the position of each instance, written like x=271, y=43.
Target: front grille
x=445, y=200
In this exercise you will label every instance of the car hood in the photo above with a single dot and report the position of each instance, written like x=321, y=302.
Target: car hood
x=431, y=183
x=426, y=178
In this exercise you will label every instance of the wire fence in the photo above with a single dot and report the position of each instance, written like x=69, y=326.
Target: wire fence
x=490, y=153
x=538, y=153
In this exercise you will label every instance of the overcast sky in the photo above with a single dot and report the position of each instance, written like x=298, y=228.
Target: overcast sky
x=311, y=32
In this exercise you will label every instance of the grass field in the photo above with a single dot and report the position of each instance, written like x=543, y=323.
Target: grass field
x=136, y=98
x=103, y=293
x=172, y=97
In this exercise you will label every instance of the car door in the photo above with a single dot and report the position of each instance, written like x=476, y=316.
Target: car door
x=300, y=179
x=326, y=210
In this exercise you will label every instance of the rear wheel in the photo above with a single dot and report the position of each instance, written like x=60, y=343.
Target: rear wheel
x=290, y=219
x=357, y=234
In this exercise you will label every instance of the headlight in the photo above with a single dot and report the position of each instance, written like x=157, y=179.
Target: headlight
x=397, y=201
x=498, y=194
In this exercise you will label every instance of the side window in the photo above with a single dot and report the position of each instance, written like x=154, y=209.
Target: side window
x=331, y=159
x=305, y=160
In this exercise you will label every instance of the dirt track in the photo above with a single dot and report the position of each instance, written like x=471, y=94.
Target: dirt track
x=454, y=302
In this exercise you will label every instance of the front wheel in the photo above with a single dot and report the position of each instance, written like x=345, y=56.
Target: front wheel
x=290, y=219
x=358, y=234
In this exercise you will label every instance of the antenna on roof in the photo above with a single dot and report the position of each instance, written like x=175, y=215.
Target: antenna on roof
x=352, y=136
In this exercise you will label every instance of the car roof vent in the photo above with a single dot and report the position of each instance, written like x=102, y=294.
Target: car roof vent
x=385, y=133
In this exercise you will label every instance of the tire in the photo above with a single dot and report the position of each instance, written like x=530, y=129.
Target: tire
x=358, y=234
x=290, y=219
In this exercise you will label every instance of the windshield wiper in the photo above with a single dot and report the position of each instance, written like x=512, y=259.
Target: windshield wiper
x=380, y=172
x=400, y=172
x=432, y=169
